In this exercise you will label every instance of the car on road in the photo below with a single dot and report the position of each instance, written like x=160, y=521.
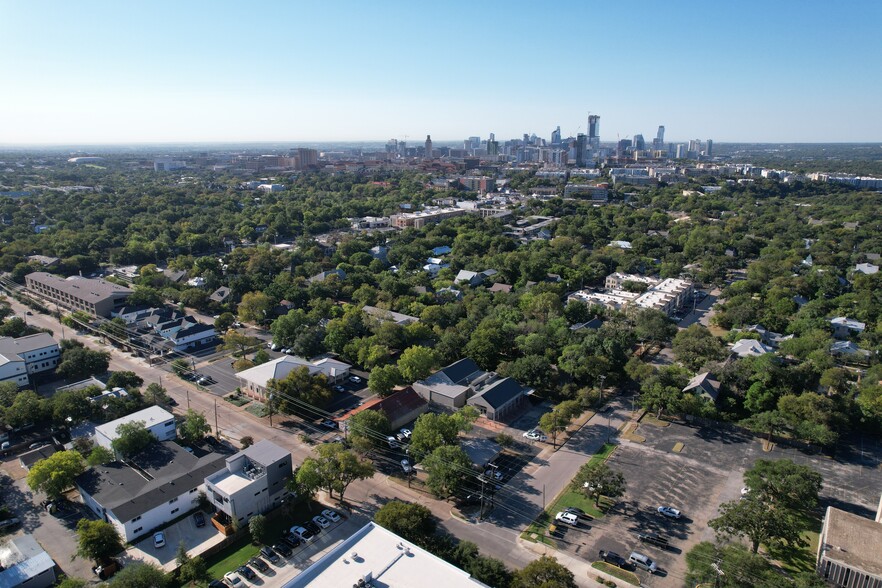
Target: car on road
x=282, y=549
x=159, y=540
x=267, y=552
x=199, y=518
x=576, y=511
x=568, y=518
x=329, y=424
x=643, y=562
x=246, y=572
x=305, y=534
x=406, y=432
x=37, y=445
x=233, y=579
x=321, y=521
x=611, y=557
x=258, y=564
x=331, y=515
x=405, y=465
x=669, y=511
x=535, y=435
x=393, y=442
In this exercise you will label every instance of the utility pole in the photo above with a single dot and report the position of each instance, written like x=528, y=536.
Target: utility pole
x=481, y=514
x=188, y=398
x=216, y=428
x=602, y=380
x=269, y=405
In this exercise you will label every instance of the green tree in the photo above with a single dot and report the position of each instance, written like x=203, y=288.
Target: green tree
x=195, y=570
x=71, y=582
x=413, y=522
x=732, y=566
x=239, y=343
x=447, y=467
x=596, y=479
x=156, y=394
x=695, y=346
x=140, y=575
x=368, y=430
x=194, y=428
x=224, y=321
x=416, y=363
x=431, y=431
x=545, y=572
x=781, y=483
x=751, y=517
x=653, y=326
x=257, y=528
x=71, y=407
x=27, y=408
x=553, y=423
x=299, y=387
x=180, y=367
x=133, y=438
x=99, y=456
x=128, y=380
x=97, y=540
x=333, y=470
x=56, y=473
x=246, y=441
x=383, y=378
x=255, y=307
x=79, y=363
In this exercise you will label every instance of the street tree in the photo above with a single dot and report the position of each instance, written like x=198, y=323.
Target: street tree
x=596, y=479
x=368, y=430
x=246, y=441
x=332, y=470
x=128, y=380
x=97, y=540
x=56, y=473
x=432, y=430
x=545, y=572
x=239, y=343
x=156, y=394
x=194, y=428
x=299, y=387
x=414, y=522
x=132, y=439
x=224, y=321
x=447, y=467
x=140, y=575
x=79, y=363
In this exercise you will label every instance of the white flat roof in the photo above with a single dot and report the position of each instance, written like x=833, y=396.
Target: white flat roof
x=229, y=482
x=388, y=559
x=152, y=415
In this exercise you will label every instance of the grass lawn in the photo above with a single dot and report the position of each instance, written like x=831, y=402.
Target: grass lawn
x=257, y=409
x=617, y=572
x=567, y=498
x=800, y=559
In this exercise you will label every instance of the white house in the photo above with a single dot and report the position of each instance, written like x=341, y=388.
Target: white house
x=158, y=421
x=21, y=357
x=149, y=490
x=254, y=380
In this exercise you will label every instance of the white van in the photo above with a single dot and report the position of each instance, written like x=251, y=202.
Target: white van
x=568, y=518
x=643, y=562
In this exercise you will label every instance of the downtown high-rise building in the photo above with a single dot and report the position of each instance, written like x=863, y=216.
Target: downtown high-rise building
x=428, y=146
x=709, y=150
x=555, y=136
x=594, y=131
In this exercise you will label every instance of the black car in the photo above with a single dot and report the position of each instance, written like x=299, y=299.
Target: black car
x=258, y=564
x=282, y=549
x=576, y=511
x=291, y=539
x=246, y=572
x=217, y=584
x=267, y=552
x=312, y=527
x=611, y=557
x=199, y=518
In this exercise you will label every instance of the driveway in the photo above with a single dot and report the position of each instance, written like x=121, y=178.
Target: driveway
x=196, y=539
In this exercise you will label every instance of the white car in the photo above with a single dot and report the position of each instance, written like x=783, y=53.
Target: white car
x=406, y=432
x=321, y=521
x=331, y=515
x=405, y=465
x=669, y=511
x=493, y=473
x=355, y=379
x=568, y=518
x=303, y=533
x=233, y=579
x=535, y=435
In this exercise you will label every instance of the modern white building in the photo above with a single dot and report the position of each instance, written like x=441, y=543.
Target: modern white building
x=375, y=556
x=149, y=490
x=254, y=380
x=252, y=482
x=158, y=421
x=665, y=295
x=21, y=357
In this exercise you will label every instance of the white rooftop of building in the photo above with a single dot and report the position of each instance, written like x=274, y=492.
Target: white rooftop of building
x=152, y=415
x=381, y=558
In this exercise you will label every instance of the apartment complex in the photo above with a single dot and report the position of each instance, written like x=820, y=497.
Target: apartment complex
x=95, y=297
x=418, y=220
x=664, y=295
x=158, y=421
x=32, y=354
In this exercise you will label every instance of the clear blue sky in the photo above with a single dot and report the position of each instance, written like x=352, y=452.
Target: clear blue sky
x=118, y=71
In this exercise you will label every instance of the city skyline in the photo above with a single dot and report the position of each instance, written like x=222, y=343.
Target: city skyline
x=104, y=73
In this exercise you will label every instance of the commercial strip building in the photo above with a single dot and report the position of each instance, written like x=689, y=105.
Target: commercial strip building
x=374, y=556
x=94, y=296
x=252, y=482
x=24, y=356
x=848, y=549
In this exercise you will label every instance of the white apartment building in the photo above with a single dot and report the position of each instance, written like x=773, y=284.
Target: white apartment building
x=21, y=357
x=158, y=421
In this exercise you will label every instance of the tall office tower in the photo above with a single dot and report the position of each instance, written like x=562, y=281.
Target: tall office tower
x=476, y=142
x=492, y=136
x=428, y=146
x=639, y=144
x=695, y=145
x=492, y=146
x=681, y=151
x=622, y=147
x=581, y=148
x=710, y=148
x=594, y=131
x=660, y=135
x=392, y=146
x=555, y=136
x=308, y=157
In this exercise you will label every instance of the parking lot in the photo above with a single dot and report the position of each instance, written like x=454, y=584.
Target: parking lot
x=195, y=539
x=706, y=472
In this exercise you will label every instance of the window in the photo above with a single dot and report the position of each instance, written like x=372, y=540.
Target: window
x=174, y=510
x=173, y=500
x=138, y=530
x=283, y=464
x=137, y=518
x=193, y=490
x=170, y=424
x=257, y=493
